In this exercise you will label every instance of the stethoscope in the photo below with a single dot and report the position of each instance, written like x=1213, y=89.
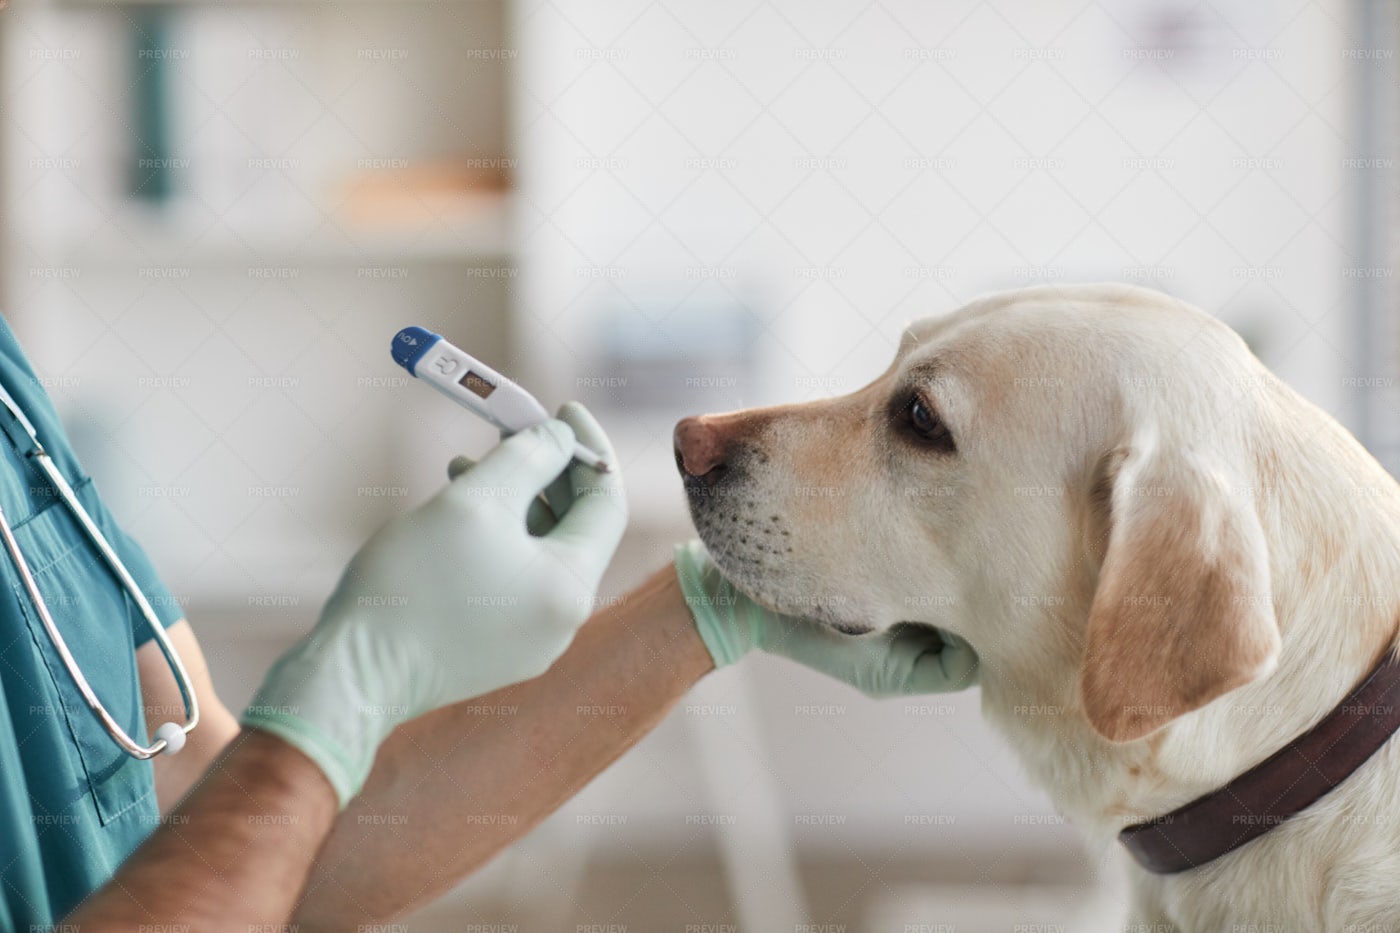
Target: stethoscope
x=170, y=737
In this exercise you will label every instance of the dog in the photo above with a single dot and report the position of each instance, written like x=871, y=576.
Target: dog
x=1169, y=563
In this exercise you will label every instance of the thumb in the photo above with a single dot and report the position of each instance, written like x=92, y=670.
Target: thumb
x=459, y=465
x=522, y=465
x=539, y=519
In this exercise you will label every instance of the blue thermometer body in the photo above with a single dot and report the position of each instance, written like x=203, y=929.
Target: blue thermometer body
x=475, y=386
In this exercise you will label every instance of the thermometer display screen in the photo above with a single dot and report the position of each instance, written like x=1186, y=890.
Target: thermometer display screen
x=476, y=384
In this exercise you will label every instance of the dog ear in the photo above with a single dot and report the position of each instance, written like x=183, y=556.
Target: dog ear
x=1183, y=610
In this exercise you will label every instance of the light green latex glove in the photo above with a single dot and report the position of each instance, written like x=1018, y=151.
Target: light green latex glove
x=899, y=662
x=449, y=601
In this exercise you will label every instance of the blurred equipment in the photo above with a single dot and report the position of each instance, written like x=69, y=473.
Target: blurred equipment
x=640, y=357
x=153, y=162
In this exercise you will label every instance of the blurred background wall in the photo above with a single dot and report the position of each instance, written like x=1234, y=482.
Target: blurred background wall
x=217, y=214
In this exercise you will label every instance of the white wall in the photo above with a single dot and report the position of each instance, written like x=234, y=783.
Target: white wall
x=931, y=152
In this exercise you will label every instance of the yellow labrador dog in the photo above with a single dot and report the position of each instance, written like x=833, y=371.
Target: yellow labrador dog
x=1171, y=565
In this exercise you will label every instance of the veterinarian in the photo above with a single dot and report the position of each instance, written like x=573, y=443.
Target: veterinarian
x=375, y=719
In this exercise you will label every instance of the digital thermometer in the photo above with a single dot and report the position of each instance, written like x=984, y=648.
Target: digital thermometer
x=474, y=385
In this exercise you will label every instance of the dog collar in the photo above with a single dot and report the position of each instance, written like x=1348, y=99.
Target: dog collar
x=1281, y=786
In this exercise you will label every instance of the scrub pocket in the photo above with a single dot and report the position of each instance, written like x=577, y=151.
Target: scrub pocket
x=94, y=615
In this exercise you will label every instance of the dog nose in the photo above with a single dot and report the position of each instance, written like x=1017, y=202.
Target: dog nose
x=700, y=447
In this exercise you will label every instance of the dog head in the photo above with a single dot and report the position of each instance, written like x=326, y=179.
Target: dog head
x=1051, y=474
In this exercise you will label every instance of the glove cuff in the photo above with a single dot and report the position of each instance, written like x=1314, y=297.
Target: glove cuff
x=346, y=777
x=312, y=699
x=711, y=600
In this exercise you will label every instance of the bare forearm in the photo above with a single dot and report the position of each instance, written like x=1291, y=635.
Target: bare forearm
x=451, y=789
x=234, y=853
x=176, y=774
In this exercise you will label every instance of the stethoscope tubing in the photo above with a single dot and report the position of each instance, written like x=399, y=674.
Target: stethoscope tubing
x=70, y=499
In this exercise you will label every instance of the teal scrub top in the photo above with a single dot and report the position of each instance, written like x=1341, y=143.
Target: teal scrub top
x=73, y=805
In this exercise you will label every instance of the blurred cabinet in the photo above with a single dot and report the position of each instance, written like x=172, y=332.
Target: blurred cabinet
x=217, y=216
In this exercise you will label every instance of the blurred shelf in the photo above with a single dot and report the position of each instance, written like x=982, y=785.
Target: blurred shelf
x=173, y=237
x=301, y=163
x=225, y=4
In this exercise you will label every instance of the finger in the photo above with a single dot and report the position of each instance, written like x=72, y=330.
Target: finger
x=459, y=465
x=548, y=506
x=945, y=663
x=822, y=648
x=895, y=662
x=541, y=517
x=558, y=496
x=597, y=517
x=521, y=466
x=589, y=433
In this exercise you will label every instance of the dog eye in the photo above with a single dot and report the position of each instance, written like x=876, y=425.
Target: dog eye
x=921, y=418
x=923, y=422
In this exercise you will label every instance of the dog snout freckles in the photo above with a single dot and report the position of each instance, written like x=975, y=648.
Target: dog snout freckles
x=744, y=474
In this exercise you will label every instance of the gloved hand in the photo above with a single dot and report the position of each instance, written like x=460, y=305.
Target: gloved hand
x=902, y=661
x=451, y=600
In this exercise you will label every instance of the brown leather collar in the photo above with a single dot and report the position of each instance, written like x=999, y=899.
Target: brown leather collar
x=1279, y=787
